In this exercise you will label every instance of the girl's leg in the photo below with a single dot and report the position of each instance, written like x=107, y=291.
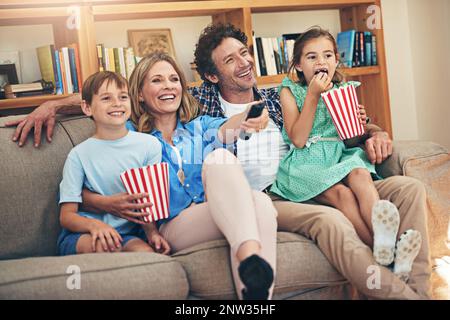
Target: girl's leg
x=342, y=198
x=361, y=183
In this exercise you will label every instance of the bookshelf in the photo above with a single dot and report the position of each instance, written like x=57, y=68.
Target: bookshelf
x=353, y=14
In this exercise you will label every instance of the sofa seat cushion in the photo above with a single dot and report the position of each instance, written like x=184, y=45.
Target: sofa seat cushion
x=102, y=276
x=301, y=266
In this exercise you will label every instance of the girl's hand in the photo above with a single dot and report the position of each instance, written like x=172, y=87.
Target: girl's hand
x=109, y=238
x=319, y=84
x=256, y=124
x=362, y=116
x=158, y=243
x=123, y=205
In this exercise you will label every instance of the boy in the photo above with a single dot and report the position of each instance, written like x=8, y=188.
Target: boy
x=96, y=164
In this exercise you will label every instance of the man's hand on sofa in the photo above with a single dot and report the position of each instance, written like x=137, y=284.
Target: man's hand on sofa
x=44, y=115
x=378, y=147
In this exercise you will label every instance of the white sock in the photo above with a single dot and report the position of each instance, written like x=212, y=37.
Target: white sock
x=385, y=223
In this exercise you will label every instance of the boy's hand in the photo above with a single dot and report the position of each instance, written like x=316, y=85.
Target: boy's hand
x=123, y=205
x=362, y=116
x=158, y=243
x=109, y=238
x=319, y=84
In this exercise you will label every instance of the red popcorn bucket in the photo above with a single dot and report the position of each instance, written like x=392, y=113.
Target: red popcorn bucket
x=342, y=103
x=154, y=180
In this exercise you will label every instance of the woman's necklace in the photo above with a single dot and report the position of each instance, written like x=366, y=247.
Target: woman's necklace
x=180, y=173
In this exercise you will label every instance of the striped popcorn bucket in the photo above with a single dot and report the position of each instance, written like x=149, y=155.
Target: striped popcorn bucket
x=342, y=103
x=154, y=180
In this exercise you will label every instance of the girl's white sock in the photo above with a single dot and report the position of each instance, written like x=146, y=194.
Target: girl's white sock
x=385, y=224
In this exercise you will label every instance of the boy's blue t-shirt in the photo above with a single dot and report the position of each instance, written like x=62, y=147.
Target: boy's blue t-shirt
x=97, y=164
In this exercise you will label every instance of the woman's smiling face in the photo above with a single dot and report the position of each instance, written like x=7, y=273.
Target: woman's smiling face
x=162, y=89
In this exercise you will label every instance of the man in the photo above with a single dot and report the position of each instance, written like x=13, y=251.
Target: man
x=225, y=64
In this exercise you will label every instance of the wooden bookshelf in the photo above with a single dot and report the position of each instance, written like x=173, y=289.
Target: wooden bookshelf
x=25, y=102
x=353, y=14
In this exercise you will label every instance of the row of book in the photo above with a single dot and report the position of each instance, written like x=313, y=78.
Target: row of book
x=120, y=60
x=272, y=55
x=357, y=49
x=60, y=67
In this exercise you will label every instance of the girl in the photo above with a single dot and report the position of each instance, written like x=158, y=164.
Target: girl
x=319, y=166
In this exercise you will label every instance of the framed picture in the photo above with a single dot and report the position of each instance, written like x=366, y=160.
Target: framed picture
x=8, y=74
x=147, y=41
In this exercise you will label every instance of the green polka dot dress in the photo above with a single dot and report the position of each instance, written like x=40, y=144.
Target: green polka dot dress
x=305, y=173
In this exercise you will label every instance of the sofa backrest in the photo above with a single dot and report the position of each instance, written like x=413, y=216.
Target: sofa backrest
x=29, y=184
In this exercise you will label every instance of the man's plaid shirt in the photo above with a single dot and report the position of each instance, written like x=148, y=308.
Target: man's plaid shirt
x=208, y=97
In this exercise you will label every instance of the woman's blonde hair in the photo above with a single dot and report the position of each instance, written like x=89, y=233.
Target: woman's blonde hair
x=140, y=112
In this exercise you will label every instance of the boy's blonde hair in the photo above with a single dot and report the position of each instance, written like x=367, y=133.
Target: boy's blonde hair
x=140, y=113
x=93, y=83
x=300, y=43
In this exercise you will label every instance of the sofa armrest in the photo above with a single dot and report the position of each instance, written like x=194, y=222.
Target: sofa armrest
x=406, y=150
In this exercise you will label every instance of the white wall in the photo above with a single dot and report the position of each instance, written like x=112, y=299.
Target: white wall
x=400, y=74
x=185, y=33
x=430, y=43
x=26, y=39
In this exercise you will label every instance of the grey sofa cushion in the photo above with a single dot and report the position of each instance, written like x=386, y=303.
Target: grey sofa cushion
x=29, y=184
x=300, y=265
x=102, y=276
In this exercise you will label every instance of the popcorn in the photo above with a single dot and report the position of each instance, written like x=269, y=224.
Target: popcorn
x=154, y=180
x=342, y=103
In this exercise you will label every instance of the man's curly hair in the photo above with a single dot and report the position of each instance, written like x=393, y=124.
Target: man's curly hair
x=210, y=38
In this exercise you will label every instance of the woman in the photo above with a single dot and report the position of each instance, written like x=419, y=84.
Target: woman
x=210, y=197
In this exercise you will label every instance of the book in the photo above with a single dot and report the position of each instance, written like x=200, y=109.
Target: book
x=262, y=61
x=346, y=47
x=63, y=72
x=28, y=89
x=101, y=61
x=77, y=65
x=356, y=62
x=66, y=66
x=276, y=53
x=374, y=50
x=122, y=68
x=362, y=53
x=130, y=61
x=58, y=76
x=368, y=47
x=73, y=70
x=45, y=60
x=256, y=58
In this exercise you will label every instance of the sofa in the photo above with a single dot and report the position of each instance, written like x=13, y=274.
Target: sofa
x=30, y=269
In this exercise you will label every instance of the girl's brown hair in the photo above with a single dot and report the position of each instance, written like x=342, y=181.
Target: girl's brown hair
x=140, y=113
x=300, y=43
